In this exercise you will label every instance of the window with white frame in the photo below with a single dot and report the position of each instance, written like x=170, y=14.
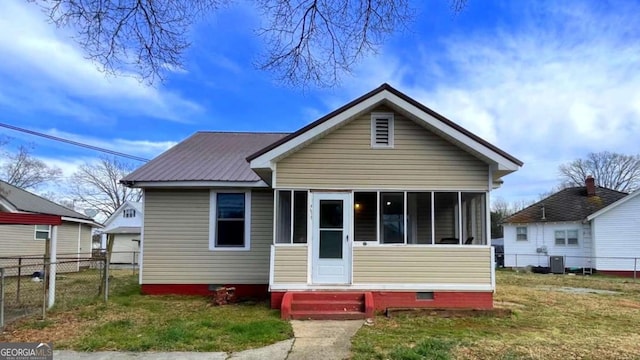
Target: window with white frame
x=42, y=232
x=129, y=213
x=291, y=217
x=382, y=130
x=521, y=233
x=230, y=220
x=566, y=237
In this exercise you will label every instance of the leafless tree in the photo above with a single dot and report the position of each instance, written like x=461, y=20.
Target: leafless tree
x=96, y=185
x=309, y=42
x=611, y=170
x=20, y=168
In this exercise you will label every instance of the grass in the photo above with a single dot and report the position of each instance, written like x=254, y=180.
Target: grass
x=546, y=324
x=134, y=322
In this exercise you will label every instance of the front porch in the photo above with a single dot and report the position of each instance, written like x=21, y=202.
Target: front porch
x=403, y=248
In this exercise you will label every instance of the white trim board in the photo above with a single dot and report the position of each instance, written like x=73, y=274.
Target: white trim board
x=385, y=287
x=614, y=205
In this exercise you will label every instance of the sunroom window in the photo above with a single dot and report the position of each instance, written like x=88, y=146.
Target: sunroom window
x=420, y=217
x=291, y=217
x=392, y=218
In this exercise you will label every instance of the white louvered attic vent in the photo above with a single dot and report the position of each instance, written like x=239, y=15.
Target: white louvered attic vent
x=382, y=130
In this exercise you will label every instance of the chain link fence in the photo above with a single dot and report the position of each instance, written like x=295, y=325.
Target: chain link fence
x=26, y=282
x=541, y=262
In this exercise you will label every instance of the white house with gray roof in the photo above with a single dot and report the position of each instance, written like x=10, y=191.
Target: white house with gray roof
x=125, y=224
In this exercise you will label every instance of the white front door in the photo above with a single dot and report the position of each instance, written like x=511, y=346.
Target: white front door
x=331, y=243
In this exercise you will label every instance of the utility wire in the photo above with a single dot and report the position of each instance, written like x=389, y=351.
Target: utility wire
x=87, y=146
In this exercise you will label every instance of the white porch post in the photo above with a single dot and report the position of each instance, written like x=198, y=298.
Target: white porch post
x=53, y=250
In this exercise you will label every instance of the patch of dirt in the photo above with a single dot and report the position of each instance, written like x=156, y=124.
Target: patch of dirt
x=449, y=313
x=508, y=304
x=629, y=304
x=577, y=290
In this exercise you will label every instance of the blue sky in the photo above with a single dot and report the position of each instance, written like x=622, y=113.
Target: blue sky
x=546, y=81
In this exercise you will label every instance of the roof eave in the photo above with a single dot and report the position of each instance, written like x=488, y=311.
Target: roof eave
x=196, y=184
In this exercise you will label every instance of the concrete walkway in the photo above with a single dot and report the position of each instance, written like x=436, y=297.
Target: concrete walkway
x=329, y=338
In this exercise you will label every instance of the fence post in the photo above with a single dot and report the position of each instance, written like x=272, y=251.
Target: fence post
x=106, y=279
x=635, y=266
x=19, y=278
x=1, y=298
x=516, y=260
x=133, y=263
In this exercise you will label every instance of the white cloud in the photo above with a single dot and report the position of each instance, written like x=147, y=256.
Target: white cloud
x=561, y=83
x=42, y=68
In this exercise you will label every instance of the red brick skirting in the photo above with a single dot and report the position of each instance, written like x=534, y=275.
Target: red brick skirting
x=622, y=273
x=442, y=300
x=255, y=291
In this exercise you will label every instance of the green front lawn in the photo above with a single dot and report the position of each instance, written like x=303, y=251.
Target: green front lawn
x=134, y=322
x=546, y=324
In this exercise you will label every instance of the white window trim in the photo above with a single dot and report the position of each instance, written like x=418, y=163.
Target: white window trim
x=526, y=233
x=382, y=115
x=213, y=221
x=566, y=238
x=35, y=231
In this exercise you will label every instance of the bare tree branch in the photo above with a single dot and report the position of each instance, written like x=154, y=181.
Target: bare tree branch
x=23, y=170
x=97, y=185
x=308, y=42
x=611, y=170
x=314, y=41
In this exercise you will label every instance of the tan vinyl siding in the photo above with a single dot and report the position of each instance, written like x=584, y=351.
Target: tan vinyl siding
x=18, y=240
x=421, y=265
x=176, y=241
x=345, y=159
x=290, y=264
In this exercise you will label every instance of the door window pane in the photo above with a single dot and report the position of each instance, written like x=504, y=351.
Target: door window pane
x=392, y=216
x=330, y=244
x=331, y=214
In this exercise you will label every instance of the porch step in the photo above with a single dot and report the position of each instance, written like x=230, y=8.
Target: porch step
x=326, y=305
x=327, y=315
x=333, y=305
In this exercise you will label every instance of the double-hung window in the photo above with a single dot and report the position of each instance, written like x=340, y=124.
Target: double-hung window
x=230, y=220
x=521, y=233
x=566, y=237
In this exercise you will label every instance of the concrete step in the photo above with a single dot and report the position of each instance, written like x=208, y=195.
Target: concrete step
x=327, y=315
x=324, y=305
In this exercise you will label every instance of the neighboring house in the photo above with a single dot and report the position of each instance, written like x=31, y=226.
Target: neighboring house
x=583, y=224
x=382, y=202
x=125, y=224
x=74, y=235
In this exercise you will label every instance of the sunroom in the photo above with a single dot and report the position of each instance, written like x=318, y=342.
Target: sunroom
x=380, y=240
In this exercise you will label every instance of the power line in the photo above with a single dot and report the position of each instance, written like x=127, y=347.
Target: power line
x=87, y=146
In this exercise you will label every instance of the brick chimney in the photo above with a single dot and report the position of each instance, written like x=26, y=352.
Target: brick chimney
x=590, y=184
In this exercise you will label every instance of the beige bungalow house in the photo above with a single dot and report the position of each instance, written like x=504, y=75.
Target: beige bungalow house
x=382, y=203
